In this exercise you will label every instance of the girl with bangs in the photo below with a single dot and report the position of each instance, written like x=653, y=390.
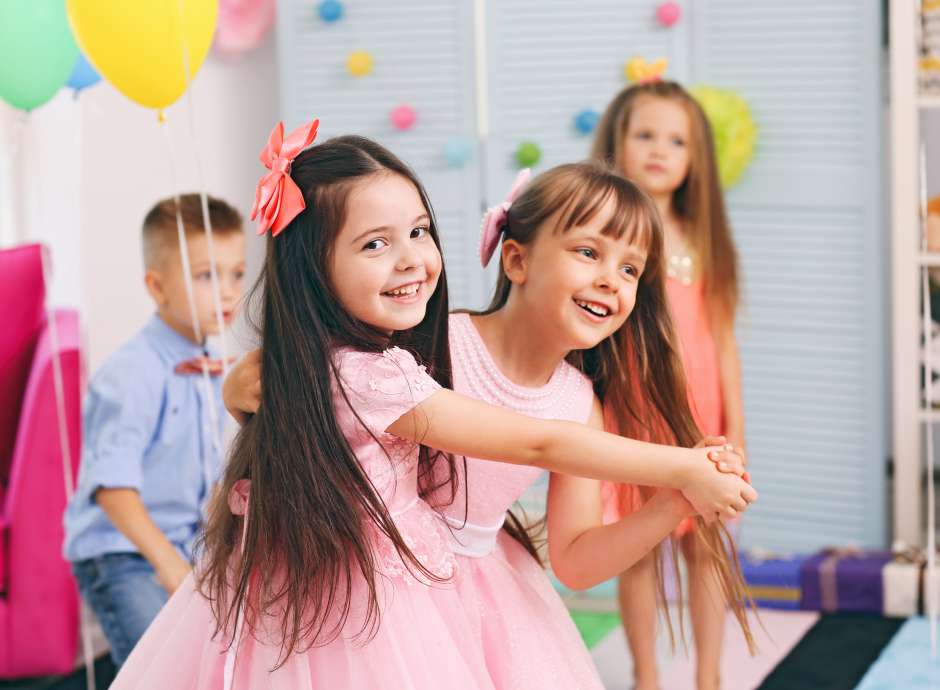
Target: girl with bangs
x=578, y=317
x=656, y=135
x=322, y=565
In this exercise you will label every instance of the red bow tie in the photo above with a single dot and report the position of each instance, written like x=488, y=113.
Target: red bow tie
x=194, y=365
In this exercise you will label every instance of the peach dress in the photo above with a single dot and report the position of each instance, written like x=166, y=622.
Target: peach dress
x=703, y=378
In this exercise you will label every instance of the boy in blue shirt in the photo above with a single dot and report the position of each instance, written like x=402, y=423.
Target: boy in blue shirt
x=150, y=450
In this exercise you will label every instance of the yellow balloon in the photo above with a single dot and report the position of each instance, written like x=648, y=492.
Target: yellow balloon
x=359, y=63
x=142, y=46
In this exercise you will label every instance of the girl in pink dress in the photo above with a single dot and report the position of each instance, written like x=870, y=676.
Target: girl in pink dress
x=657, y=136
x=322, y=566
x=580, y=240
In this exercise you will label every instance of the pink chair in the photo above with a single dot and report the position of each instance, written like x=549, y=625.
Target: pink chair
x=22, y=296
x=39, y=605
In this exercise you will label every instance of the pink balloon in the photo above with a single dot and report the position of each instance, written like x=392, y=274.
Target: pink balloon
x=243, y=24
x=403, y=117
x=668, y=13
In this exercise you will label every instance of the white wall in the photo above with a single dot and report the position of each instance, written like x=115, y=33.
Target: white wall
x=81, y=174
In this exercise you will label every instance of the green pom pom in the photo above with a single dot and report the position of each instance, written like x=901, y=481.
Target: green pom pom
x=734, y=130
x=528, y=154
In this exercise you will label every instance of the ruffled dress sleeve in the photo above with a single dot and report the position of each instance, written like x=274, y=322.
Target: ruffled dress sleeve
x=382, y=387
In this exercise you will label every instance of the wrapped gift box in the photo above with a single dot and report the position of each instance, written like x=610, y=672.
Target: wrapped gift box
x=902, y=585
x=904, y=580
x=773, y=582
x=844, y=580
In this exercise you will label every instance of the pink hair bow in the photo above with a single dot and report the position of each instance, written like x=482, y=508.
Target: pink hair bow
x=494, y=220
x=278, y=199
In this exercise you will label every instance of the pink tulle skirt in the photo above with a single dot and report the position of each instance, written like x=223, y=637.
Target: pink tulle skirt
x=425, y=641
x=528, y=637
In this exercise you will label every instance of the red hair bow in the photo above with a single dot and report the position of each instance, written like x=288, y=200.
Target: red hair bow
x=278, y=199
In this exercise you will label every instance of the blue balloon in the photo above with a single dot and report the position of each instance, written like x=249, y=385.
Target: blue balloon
x=331, y=11
x=458, y=151
x=83, y=75
x=586, y=121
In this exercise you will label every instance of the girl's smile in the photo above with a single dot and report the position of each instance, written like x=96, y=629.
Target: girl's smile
x=386, y=266
x=579, y=284
x=407, y=293
x=595, y=311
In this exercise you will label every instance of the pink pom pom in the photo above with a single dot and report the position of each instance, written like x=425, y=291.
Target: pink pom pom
x=403, y=117
x=243, y=24
x=668, y=13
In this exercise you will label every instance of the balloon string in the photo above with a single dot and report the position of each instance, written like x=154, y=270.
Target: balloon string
x=22, y=211
x=190, y=297
x=65, y=445
x=927, y=324
x=204, y=200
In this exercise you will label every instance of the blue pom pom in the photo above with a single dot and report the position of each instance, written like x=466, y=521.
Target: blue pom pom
x=331, y=11
x=458, y=151
x=586, y=121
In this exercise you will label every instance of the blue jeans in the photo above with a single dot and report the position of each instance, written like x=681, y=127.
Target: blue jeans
x=122, y=590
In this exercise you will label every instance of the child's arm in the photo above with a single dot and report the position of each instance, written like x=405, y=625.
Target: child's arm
x=583, y=550
x=128, y=513
x=583, y=553
x=463, y=426
x=119, y=421
x=729, y=364
x=241, y=389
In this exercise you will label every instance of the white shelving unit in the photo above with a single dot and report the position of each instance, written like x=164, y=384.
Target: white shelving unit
x=909, y=259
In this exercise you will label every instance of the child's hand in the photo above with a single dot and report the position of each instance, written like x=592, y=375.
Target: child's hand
x=241, y=390
x=727, y=458
x=674, y=502
x=171, y=574
x=715, y=495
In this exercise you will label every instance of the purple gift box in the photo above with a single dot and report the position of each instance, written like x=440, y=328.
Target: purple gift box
x=844, y=580
x=773, y=583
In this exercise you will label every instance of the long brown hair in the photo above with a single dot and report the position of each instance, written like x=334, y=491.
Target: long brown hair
x=637, y=372
x=307, y=538
x=698, y=200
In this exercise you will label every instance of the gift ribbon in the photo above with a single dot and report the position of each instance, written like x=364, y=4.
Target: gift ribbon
x=828, y=583
x=906, y=554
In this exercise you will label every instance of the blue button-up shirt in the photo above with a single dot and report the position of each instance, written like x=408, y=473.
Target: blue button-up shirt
x=146, y=428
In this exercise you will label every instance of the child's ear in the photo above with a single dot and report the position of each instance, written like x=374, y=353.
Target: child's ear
x=515, y=261
x=154, y=283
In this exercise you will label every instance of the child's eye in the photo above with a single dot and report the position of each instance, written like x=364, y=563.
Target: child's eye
x=375, y=244
x=586, y=252
x=204, y=275
x=644, y=135
x=419, y=232
x=678, y=142
x=629, y=270
x=239, y=275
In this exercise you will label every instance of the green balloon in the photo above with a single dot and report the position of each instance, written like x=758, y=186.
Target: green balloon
x=528, y=154
x=37, y=51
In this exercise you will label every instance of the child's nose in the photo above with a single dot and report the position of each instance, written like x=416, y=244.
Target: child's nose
x=408, y=259
x=607, y=280
x=227, y=288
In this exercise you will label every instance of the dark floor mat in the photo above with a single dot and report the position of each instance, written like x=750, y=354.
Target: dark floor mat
x=834, y=654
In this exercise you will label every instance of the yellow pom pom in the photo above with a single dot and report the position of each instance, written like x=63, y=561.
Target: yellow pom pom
x=639, y=71
x=359, y=63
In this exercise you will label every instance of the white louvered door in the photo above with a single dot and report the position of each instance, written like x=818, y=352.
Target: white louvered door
x=808, y=221
x=423, y=56
x=550, y=59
